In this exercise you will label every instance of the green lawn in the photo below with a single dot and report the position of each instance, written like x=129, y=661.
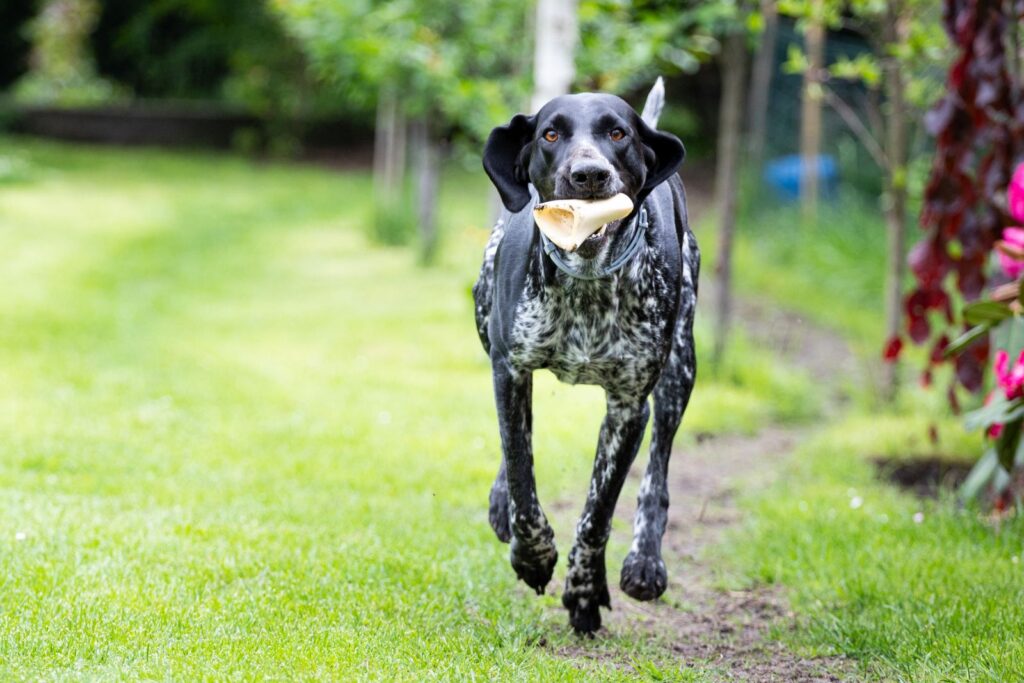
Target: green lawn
x=239, y=441
x=913, y=590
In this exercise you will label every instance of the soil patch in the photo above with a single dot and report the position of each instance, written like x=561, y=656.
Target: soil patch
x=924, y=475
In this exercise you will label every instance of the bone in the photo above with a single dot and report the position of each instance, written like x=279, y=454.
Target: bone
x=567, y=222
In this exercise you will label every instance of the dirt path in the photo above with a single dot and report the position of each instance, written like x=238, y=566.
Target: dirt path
x=726, y=631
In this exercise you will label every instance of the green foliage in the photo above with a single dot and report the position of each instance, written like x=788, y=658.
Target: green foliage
x=921, y=53
x=62, y=70
x=456, y=59
x=188, y=49
x=628, y=44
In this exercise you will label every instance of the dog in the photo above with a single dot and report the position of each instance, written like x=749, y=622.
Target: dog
x=616, y=312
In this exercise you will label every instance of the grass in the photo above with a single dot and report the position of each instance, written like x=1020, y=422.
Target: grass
x=911, y=589
x=914, y=590
x=239, y=441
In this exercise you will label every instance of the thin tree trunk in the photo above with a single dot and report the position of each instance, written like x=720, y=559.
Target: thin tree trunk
x=555, y=38
x=427, y=160
x=894, y=32
x=761, y=82
x=388, y=147
x=810, y=113
x=730, y=123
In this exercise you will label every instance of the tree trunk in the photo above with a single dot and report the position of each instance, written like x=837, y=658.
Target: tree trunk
x=388, y=147
x=894, y=32
x=427, y=160
x=555, y=38
x=810, y=112
x=730, y=123
x=761, y=83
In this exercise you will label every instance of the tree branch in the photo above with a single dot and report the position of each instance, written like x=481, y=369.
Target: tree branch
x=849, y=116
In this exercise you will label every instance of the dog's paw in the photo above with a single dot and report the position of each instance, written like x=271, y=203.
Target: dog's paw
x=497, y=514
x=534, y=564
x=643, y=576
x=585, y=611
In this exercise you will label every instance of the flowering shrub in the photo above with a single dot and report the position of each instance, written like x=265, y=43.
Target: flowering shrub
x=979, y=133
x=1002, y=416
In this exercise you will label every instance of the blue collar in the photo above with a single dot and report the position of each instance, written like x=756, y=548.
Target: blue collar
x=636, y=240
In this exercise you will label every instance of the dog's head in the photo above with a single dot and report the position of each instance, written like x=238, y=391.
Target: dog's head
x=586, y=146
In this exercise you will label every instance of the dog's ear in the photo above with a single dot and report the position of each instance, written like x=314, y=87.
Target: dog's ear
x=506, y=160
x=663, y=154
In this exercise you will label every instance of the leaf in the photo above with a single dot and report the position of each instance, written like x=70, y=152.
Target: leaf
x=796, y=61
x=980, y=475
x=1006, y=444
x=966, y=339
x=999, y=411
x=986, y=311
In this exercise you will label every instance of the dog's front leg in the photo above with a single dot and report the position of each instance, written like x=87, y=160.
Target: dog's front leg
x=586, y=586
x=533, y=554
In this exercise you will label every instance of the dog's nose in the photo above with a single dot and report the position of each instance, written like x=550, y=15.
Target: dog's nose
x=588, y=174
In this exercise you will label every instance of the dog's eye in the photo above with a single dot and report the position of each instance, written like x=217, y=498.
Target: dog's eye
x=617, y=134
x=551, y=135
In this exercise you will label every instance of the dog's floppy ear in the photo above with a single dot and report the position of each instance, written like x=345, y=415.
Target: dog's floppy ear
x=663, y=153
x=506, y=158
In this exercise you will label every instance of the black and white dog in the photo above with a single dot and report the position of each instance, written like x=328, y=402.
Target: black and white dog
x=617, y=312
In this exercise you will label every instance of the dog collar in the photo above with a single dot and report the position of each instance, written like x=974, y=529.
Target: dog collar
x=636, y=240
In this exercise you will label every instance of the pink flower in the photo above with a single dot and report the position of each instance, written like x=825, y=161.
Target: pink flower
x=1011, y=380
x=1015, y=194
x=1014, y=237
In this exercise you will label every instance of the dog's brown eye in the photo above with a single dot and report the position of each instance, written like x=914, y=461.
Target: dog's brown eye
x=617, y=134
x=551, y=135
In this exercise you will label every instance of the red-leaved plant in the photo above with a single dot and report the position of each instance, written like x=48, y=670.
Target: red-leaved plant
x=970, y=210
x=979, y=130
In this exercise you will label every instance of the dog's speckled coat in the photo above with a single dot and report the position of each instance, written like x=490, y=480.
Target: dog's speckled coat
x=630, y=333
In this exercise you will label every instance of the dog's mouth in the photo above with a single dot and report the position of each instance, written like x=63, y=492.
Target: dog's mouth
x=572, y=223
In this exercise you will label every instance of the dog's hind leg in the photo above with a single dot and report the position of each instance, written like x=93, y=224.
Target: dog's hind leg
x=532, y=552
x=497, y=514
x=643, y=572
x=586, y=586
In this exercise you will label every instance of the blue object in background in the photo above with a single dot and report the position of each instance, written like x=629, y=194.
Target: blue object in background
x=783, y=176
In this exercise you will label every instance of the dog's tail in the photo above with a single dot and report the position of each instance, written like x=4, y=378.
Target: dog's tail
x=654, y=104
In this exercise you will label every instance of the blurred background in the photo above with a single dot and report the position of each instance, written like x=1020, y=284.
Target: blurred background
x=246, y=423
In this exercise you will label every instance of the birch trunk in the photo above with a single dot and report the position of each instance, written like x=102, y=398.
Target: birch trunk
x=555, y=38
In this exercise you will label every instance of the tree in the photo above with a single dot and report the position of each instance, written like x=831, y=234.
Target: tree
x=556, y=34
x=907, y=47
x=61, y=67
x=810, y=109
x=730, y=133
x=451, y=67
x=761, y=81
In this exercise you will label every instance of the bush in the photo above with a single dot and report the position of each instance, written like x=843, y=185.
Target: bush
x=62, y=71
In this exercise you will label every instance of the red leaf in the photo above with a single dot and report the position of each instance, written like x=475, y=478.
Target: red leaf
x=892, y=349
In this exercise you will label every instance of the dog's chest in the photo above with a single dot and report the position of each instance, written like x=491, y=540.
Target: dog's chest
x=609, y=332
